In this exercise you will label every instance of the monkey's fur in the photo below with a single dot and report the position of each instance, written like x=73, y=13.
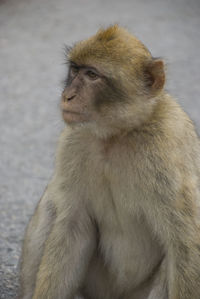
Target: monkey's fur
x=120, y=218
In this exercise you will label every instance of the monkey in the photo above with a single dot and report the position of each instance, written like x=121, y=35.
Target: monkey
x=120, y=218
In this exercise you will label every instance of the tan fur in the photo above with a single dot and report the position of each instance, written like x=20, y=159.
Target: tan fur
x=121, y=216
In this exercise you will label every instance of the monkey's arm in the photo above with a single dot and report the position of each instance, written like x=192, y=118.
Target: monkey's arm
x=37, y=232
x=175, y=217
x=183, y=253
x=66, y=256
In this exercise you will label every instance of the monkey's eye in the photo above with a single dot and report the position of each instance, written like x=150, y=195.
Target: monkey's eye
x=92, y=75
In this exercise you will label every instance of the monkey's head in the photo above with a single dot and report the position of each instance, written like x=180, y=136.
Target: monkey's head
x=112, y=84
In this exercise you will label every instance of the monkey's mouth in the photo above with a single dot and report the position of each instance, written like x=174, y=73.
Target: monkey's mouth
x=72, y=116
x=71, y=112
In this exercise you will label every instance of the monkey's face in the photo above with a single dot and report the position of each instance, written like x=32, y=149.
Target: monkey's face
x=88, y=95
x=78, y=93
x=106, y=100
x=112, y=82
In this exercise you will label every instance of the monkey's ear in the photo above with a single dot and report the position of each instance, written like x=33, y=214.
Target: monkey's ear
x=155, y=75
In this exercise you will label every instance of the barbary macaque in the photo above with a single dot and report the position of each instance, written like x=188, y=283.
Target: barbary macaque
x=120, y=218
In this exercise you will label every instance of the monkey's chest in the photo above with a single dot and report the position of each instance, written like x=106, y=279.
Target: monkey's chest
x=127, y=247
x=126, y=243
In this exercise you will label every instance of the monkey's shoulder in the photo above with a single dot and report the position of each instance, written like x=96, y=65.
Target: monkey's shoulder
x=170, y=128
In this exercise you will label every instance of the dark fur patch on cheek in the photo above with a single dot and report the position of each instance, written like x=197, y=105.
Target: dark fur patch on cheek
x=109, y=93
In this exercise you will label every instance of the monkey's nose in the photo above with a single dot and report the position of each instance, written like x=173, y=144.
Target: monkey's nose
x=68, y=98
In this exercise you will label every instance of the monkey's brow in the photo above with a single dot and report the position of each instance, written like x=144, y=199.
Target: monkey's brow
x=83, y=66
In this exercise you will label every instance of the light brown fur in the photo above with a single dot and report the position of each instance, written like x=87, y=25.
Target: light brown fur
x=121, y=217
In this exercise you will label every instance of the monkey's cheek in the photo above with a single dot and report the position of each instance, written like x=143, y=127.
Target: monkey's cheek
x=72, y=117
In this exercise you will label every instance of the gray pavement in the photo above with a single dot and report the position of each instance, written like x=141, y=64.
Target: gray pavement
x=32, y=35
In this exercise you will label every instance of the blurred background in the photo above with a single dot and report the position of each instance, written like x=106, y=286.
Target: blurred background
x=32, y=68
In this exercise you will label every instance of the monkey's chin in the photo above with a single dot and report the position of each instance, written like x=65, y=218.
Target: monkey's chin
x=71, y=117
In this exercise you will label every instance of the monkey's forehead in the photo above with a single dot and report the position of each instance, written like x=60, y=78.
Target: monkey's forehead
x=111, y=45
